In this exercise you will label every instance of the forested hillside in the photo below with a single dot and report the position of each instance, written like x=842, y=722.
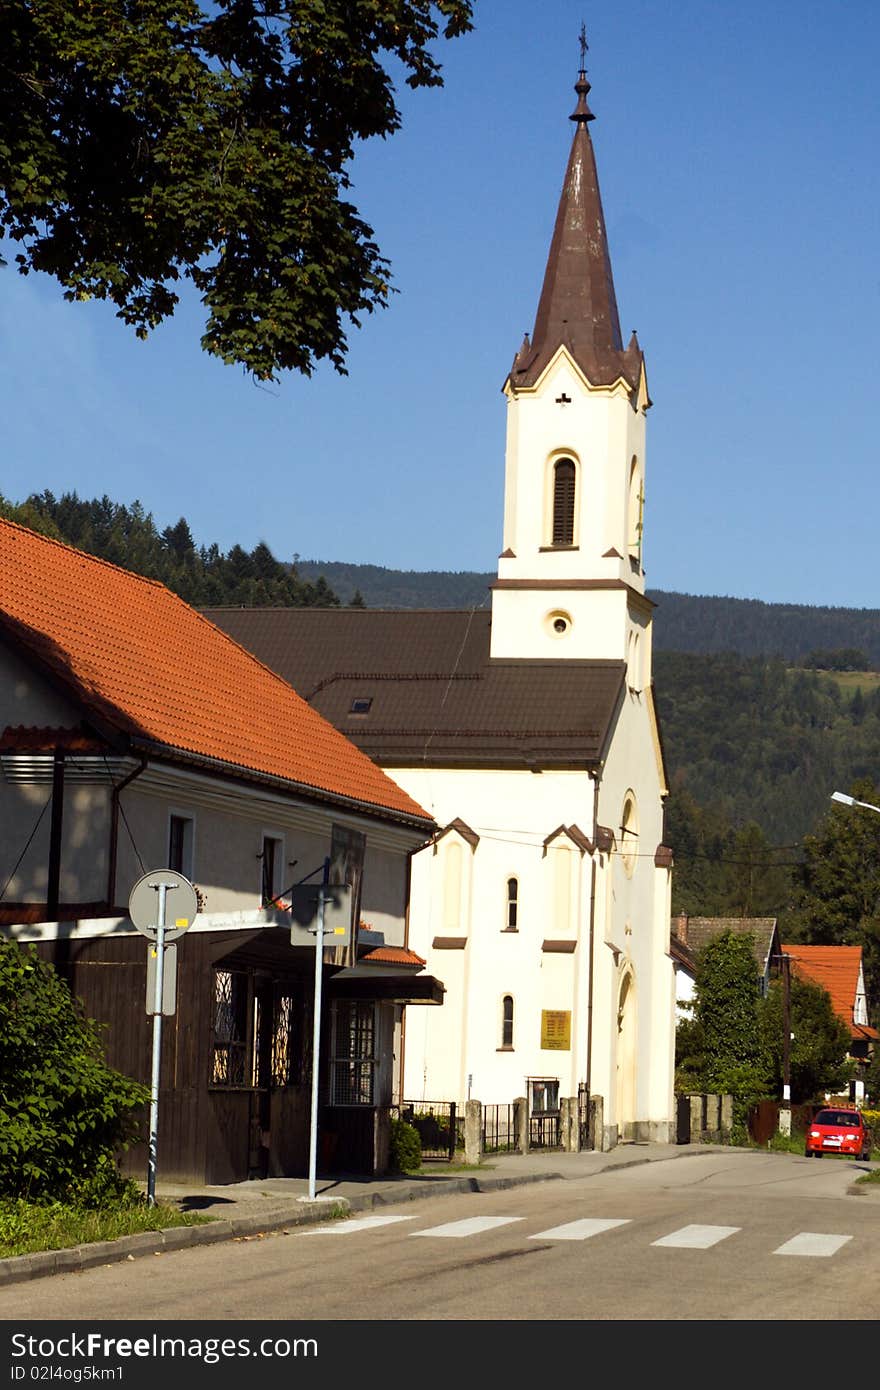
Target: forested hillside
x=682, y=622
x=202, y=575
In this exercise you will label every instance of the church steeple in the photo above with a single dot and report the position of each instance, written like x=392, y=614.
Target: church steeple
x=578, y=306
x=571, y=577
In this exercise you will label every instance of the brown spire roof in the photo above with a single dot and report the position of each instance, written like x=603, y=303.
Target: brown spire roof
x=578, y=307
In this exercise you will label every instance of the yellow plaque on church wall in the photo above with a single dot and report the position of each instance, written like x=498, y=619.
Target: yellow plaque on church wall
x=556, y=1030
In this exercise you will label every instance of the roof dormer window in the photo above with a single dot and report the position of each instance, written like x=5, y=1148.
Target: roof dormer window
x=361, y=704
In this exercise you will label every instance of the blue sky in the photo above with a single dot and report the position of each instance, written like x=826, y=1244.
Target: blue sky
x=737, y=145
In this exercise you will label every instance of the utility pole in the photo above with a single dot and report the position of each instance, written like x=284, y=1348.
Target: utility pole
x=785, y=1112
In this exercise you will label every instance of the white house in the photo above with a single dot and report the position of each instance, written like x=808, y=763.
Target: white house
x=133, y=736
x=528, y=731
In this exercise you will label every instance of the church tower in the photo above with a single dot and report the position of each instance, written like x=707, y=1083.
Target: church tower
x=571, y=583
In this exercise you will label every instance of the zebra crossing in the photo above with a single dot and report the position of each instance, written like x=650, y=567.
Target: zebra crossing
x=805, y=1244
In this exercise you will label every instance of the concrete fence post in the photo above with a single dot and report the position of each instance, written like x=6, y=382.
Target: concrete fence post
x=521, y=1124
x=713, y=1118
x=597, y=1124
x=473, y=1131
x=568, y=1123
x=696, y=1126
x=726, y=1116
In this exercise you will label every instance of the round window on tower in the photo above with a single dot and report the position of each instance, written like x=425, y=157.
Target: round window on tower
x=558, y=623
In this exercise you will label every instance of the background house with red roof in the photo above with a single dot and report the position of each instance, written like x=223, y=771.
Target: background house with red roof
x=135, y=735
x=839, y=970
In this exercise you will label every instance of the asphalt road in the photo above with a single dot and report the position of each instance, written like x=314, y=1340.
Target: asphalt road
x=733, y=1236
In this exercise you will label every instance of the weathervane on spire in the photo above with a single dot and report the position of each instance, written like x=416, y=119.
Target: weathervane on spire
x=582, y=112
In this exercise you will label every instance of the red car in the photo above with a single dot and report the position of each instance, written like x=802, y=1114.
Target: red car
x=835, y=1131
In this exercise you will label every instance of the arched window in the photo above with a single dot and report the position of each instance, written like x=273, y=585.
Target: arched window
x=563, y=502
x=507, y=1021
x=510, y=923
x=629, y=833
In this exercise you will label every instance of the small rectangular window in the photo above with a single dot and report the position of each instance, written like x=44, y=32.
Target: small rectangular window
x=361, y=705
x=512, y=904
x=180, y=845
x=271, y=858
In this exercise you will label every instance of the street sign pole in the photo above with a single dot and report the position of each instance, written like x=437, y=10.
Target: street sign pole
x=316, y=1034
x=157, y=1046
x=178, y=898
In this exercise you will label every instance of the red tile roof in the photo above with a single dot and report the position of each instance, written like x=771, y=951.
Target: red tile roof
x=149, y=666
x=836, y=969
x=392, y=955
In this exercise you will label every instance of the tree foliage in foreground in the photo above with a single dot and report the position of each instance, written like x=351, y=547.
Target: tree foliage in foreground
x=144, y=144
x=64, y=1113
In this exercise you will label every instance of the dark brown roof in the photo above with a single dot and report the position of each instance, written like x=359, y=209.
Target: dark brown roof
x=578, y=306
x=695, y=932
x=411, y=685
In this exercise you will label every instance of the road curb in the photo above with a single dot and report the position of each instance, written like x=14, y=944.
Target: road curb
x=16, y=1269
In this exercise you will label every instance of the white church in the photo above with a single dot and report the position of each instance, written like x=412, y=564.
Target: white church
x=528, y=731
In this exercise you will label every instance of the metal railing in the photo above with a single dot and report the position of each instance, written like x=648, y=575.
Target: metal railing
x=436, y=1124
x=498, y=1131
x=545, y=1131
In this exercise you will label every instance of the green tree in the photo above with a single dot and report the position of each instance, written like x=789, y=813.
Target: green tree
x=837, y=902
x=173, y=139
x=722, y=1049
x=64, y=1113
x=819, y=1041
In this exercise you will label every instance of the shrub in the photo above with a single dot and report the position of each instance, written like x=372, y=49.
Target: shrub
x=64, y=1113
x=406, y=1147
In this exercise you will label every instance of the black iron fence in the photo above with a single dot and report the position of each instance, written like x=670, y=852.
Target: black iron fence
x=436, y=1123
x=545, y=1130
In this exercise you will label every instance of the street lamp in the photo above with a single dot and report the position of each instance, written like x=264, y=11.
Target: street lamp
x=851, y=801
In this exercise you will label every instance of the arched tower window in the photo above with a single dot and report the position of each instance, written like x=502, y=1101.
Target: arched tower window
x=629, y=833
x=564, y=478
x=511, y=914
x=507, y=1021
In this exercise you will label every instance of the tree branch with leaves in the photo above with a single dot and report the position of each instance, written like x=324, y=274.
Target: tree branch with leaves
x=146, y=143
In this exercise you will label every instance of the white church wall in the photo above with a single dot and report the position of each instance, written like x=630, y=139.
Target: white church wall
x=512, y=813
